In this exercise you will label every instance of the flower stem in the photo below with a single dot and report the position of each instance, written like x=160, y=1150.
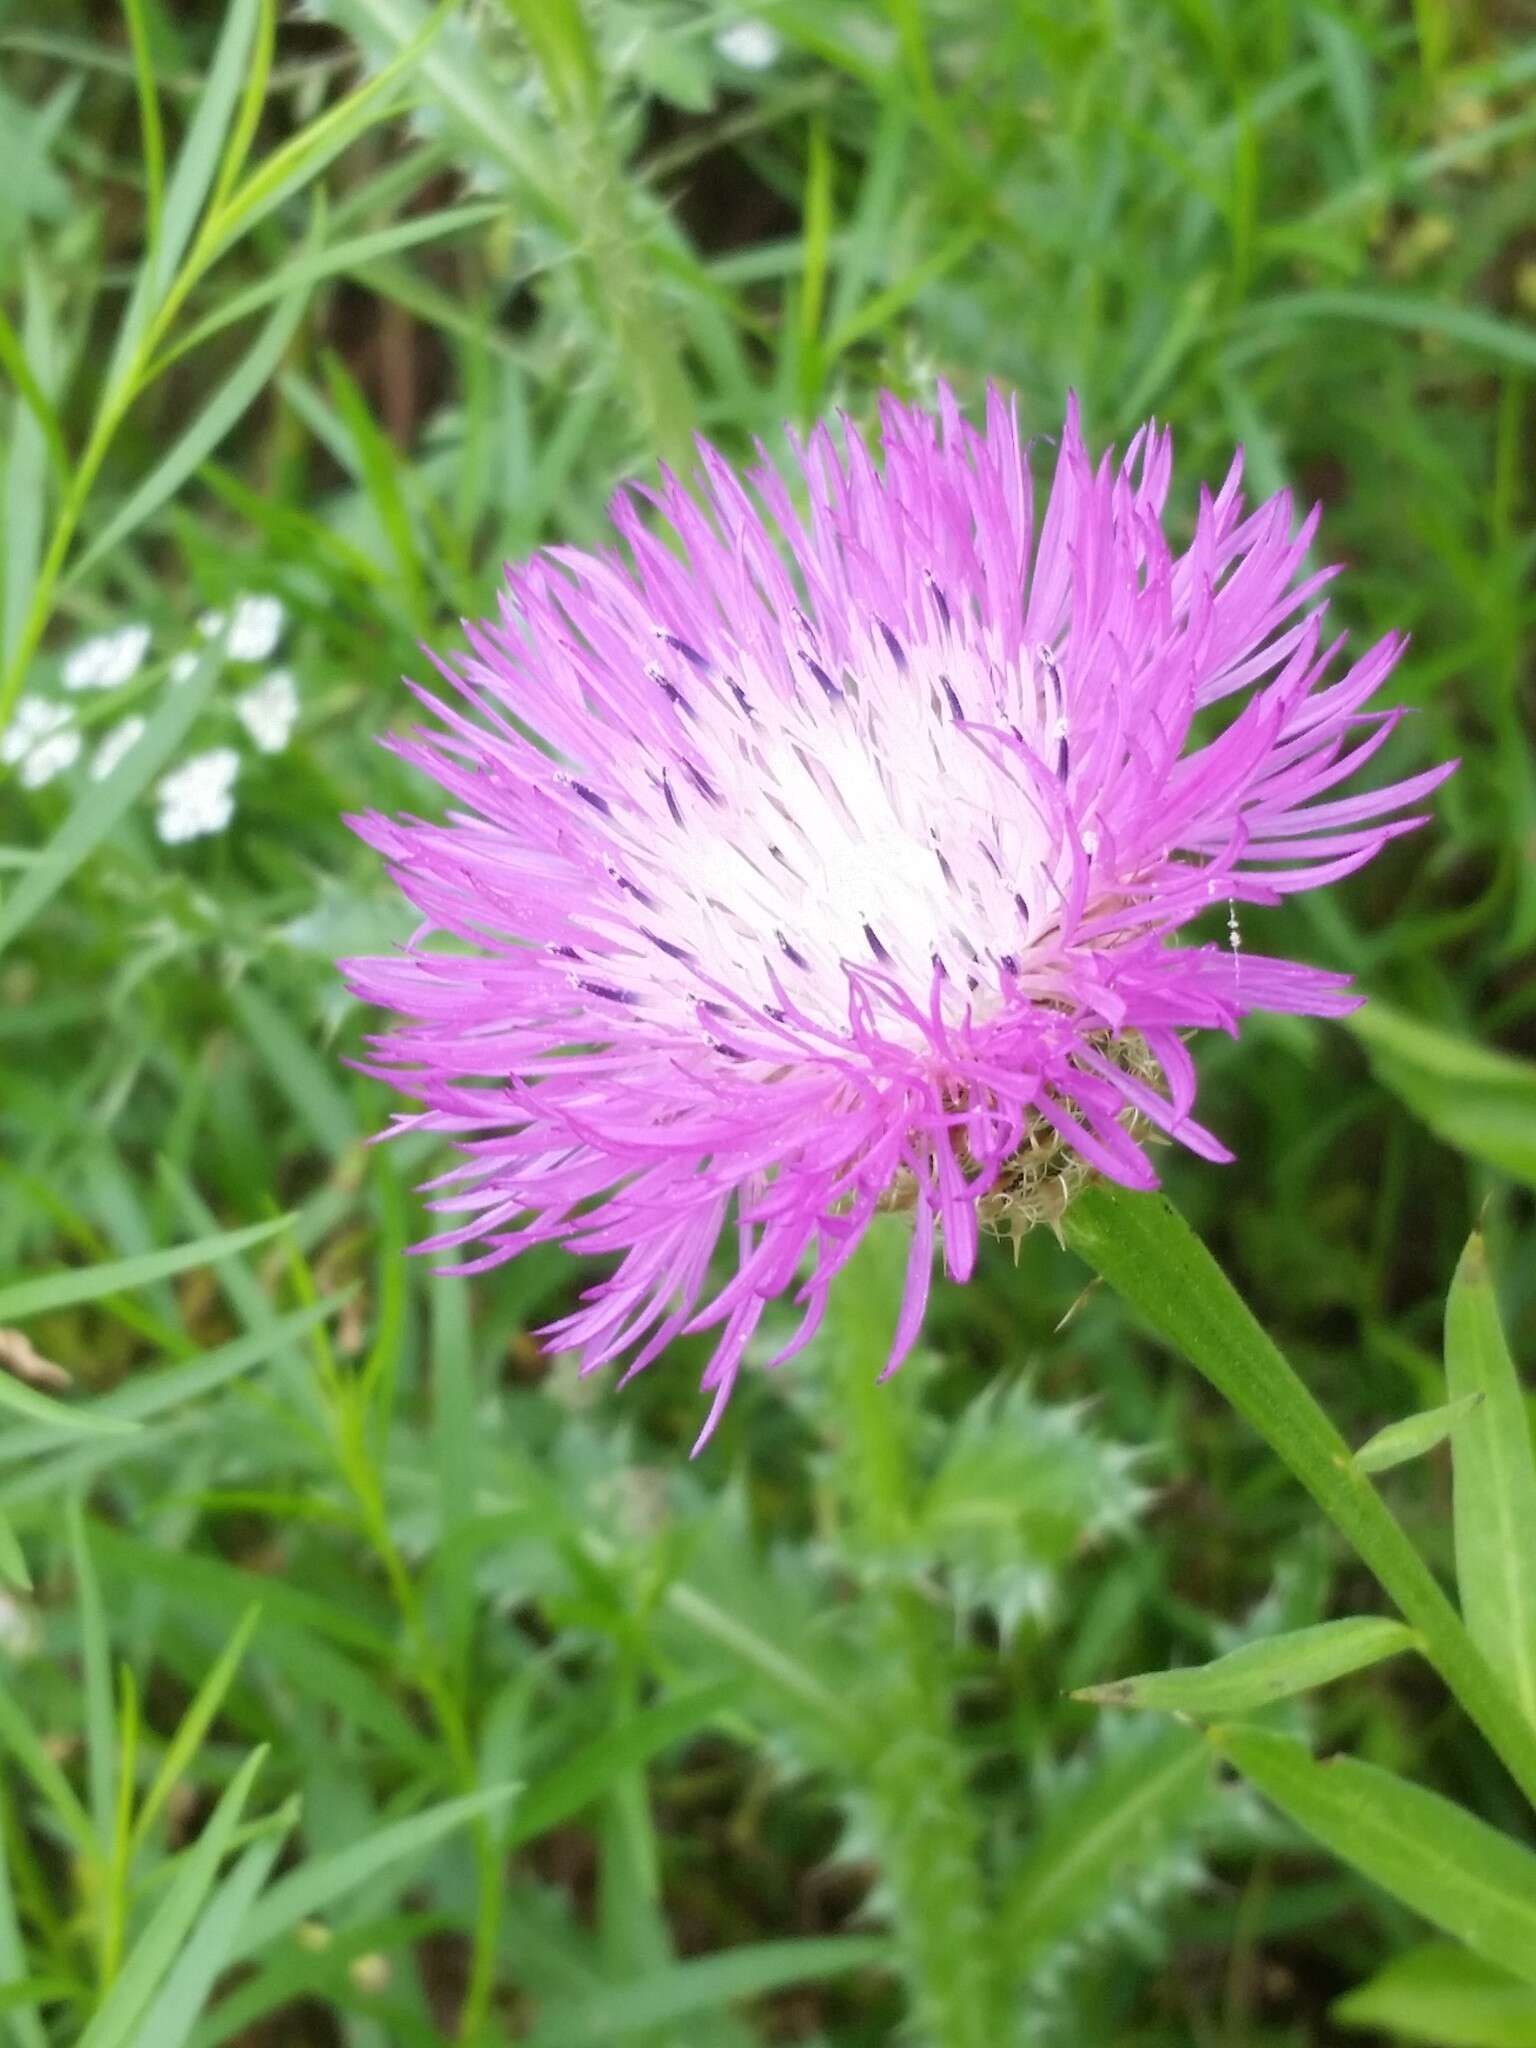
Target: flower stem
x=1147, y=1252
x=913, y=1769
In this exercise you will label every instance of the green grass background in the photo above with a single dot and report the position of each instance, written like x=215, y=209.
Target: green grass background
x=364, y=1531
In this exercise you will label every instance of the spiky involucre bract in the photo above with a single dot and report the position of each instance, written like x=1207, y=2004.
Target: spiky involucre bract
x=848, y=857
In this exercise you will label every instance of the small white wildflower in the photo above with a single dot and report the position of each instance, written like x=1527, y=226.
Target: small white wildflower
x=42, y=738
x=212, y=624
x=751, y=44
x=199, y=797
x=269, y=709
x=255, y=627
x=117, y=745
x=106, y=661
x=184, y=665
x=33, y=718
x=50, y=757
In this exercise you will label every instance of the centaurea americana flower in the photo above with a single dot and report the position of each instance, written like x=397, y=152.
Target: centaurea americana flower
x=846, y=867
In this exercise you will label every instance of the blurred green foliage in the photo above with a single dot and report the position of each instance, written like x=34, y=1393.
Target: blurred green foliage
x=349, y=309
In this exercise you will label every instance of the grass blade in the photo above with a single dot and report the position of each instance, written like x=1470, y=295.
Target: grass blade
x=21, y=1740
x=117, y=1276
x=1148, y=1253
x=1260, y=1673
x=116, y=2021
x=96, y=1666
x=1413, y=1436
x=308, y=1081
x=153, y=1394
x=152, y=134
x=194, y=1725
x=685, y=1991
x=1494, y=1475
x=316, y=1885
x=203, y=1961
x=1444, y=1996
x=1479, y=1101
x=1461, y=1875
x=234, y=396
x=190, y=181
x=26, y=468
x=597, y=1765
x=54, y=1416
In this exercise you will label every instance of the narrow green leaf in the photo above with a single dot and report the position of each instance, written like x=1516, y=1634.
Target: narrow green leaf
x=194, y=1725
x=379, y=468
x=13, y=1563
x=150, y=130
x=116, y=2021
x=685, y=1990
x=1149, y=1254
x=315, y=1886
x=1259, y=1673
x=42, y=1409
x=247, y=120
x=20, y=1740
x=96, y=1667
x=1504, y=340
x=190, y=181
x=1494, y=1481
x=308, y=1080
x=332, y=261
x=598, y=1765
x=26, y=467
x=1414, y=1435
x=816, y=212
x=1445, y=1997
x=186, y=1991
x=152, y=1394
x=13, y=360
x=234, y=395
x=201, y=1585
x=303, y=156
x=104, y=803
x=1461, y=1875
x=1480, y=1102
x=117, y=1276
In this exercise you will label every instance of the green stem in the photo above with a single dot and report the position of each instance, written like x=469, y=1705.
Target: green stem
x=1147, y=1252
x=639, y=326
x=604, y=214
x=912, y=1766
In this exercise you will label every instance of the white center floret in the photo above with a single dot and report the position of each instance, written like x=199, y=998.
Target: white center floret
x=880, y=820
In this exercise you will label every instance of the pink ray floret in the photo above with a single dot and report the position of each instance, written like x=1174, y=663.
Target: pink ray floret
x=849, y=856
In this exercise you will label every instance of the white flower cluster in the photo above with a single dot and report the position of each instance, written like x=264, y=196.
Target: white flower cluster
x=269, y=710
x=196, y=799
x=41, y=741
x=250, y=631
x=106, y=661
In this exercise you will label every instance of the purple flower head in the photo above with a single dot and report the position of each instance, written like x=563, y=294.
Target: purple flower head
x=845, y=870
